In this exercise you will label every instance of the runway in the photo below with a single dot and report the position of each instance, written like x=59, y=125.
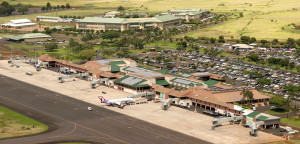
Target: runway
x=69, y=120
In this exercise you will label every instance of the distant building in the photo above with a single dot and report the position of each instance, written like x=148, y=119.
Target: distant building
x=242, y=47
x=96, y=23
x=18, y=24
x=47, y=19
x=31, y=37
x=188, y=13
x=54, y=19
x=112, y=14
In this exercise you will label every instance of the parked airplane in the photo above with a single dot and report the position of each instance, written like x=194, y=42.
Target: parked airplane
x=115, y=101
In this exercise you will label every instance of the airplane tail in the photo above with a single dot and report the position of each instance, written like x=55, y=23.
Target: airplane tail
x=102, y=99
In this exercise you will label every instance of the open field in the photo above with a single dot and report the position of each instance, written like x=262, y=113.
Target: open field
x=280, y=111
x=178, y=119
x=13, y=124
x=262, y=19
x=295, y=121
x=69, y=12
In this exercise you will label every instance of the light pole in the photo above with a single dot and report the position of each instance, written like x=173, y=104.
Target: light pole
x=195, y=103
x=35, y=55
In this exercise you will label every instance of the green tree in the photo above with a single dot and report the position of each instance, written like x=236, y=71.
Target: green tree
x=57, y=6
x=245, y=39
x=253, y=57
x=275, y=41
x=51, y=46
x=252, y=40
x=6, y=8
x=298, y=68
x=263, y=82
x=241, y=14
x=67, y=33
x=43, y=8
x=284, y=62
x=120, y=8
x=170, y=66
x=48, y=31
x=278, y=101
x=87, y=54
x=237, y=52
x=68, y=6
x=35, y=31
x=292, y=65
x=212, y=40
x=110, y=35
x=62, y=6
x=48, y=4
x=247, y=95
x=221, y=39
x=4, y=4
x=23, y=9
x=290, y=42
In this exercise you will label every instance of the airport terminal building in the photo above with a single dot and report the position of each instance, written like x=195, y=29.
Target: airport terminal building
x=96, y=23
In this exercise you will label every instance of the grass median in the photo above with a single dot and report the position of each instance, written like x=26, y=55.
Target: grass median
x=13, y=124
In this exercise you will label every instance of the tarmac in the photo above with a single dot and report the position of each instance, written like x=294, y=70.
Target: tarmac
x=69, y=119
x=196, y=125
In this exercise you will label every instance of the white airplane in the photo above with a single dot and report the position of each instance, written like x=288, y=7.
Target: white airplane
x=115, y=101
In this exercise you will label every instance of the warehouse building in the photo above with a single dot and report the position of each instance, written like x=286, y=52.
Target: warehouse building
x=188, y=13
x=112, y=14
x=48, y=19
x=96, y=23
x=30, y=37
x=18, y=24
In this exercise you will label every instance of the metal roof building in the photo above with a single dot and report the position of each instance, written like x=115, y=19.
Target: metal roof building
x=30, y=37
x=96, y=23
x=187, y=13
x=19, y=23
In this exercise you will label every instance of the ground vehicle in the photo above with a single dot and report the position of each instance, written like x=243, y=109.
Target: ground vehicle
x=65, y=71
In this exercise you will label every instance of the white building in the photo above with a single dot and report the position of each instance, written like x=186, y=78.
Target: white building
x=242, y=47
x=47, y=19
x=112, y=14
x=19, y=23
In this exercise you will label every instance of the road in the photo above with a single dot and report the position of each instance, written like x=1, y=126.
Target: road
x=69, y=119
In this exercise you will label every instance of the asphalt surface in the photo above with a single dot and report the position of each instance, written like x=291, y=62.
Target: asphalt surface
x=69, y=120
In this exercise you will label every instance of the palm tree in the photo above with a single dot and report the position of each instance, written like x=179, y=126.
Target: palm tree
x=247, y=95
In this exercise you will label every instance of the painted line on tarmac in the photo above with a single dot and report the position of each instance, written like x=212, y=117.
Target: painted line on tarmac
x=110, y=137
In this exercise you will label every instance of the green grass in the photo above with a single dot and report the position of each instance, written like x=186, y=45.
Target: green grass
x=277, y=111
x=9, y=118
x=292, y=141
x=263, y=19
x=70, y=12
x=61, y=53
x=294, y=121
x=163, y=44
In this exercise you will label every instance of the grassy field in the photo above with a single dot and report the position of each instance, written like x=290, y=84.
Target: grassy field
x=277, y=111
x=262, y=19
x=13, y=124
x=70, y=12
x=292, y=141
x=295, y=121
